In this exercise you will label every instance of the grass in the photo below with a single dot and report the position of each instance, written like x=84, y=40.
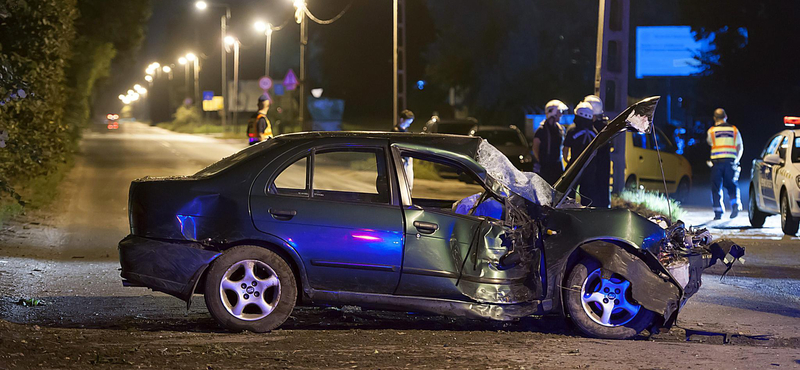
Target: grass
x=648, y=204
x=37, y=192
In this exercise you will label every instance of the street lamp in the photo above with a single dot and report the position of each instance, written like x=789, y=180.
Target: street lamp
x=233, y=41
x=202, y=5
x=267, y=29
x=196, y=67
x=300, y=18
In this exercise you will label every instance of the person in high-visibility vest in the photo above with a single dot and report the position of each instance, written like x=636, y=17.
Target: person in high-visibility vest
x=260, y=128
x=726, y=151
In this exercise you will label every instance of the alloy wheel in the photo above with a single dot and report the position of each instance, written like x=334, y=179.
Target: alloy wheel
x=607, y=301
x=250, y=290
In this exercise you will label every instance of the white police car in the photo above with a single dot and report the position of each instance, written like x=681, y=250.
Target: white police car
x=775, y=179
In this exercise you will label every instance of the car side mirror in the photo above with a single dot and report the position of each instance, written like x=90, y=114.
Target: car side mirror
x=773, y=159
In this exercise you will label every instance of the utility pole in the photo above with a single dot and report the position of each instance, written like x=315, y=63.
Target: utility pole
x=611, y=73
x=302, y=90
x=224, y=57
x=399, y=58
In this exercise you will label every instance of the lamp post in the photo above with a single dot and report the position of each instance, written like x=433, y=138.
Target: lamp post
x=233, y=41
x=267, y=29
x=202, y=5
x=182, y=61
x=196, y=68
x=300, y=18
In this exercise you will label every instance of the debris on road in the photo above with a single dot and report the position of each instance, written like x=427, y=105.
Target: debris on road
x=30, y=302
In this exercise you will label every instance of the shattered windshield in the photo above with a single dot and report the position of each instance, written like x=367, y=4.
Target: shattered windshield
x=527, y=184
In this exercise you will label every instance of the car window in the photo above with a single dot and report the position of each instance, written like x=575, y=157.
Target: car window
x=796, y=150
x=351, y=176
x=501, y=137
x=782, y=149
x=455, y=128
x=663, y=143
x=438, y=185
x=772, y=146
x=292, y=180
x=639, y=140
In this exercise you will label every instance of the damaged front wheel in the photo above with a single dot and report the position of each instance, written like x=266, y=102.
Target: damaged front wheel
x=601, y=306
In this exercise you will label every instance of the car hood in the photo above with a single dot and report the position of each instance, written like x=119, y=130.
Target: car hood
x=503, y=178
x=637, y=117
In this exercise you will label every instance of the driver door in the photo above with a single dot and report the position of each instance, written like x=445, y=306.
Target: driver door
x=438, y=233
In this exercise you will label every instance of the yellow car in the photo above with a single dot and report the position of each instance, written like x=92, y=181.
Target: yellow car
x=641, y=164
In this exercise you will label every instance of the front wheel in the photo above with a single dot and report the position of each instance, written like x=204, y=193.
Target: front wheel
x=757, y=217
x=789, y=224
x=250, y=288
x=603, y=308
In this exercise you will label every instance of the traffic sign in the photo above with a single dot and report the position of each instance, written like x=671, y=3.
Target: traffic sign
x=208, y=95
x=265, y=83
x=278, y=89
x=290, y=81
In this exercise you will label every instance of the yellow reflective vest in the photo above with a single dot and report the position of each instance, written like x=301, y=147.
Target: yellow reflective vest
x=267, y=133
x=723, y=141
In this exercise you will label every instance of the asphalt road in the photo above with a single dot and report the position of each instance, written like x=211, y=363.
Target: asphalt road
x=66, y=256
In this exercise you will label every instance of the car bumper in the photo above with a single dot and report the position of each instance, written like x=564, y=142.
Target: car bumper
x=170, y=267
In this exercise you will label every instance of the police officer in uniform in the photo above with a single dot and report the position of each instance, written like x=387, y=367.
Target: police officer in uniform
x=576, y=141
x=547, y=141
x=259, y=127
x=726, y=151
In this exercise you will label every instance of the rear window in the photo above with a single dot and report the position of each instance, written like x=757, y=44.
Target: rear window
x=455, y=128
x=235, y=158
x=501, y=137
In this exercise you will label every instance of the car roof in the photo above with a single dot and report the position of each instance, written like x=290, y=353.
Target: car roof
x=460, y=144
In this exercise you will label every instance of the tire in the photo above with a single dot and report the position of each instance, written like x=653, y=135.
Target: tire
x=269, y=294
x=631, y=183
x=683, y=189
x=757, y=217
x=587, y=314
x=789, y=224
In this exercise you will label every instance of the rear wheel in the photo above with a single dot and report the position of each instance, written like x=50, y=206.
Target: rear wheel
x=603, y=308
x=250, y=288
x=631, y=183
x=789, y=224
x=757, y=217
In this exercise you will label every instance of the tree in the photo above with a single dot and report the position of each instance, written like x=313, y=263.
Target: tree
x=751, y=72
x=511, y=57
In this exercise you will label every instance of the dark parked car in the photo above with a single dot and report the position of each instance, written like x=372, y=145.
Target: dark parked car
x=338, y=218
x=510, y=141
x=453, y=126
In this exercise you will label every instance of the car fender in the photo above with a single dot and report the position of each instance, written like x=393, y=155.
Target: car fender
x=652, y=286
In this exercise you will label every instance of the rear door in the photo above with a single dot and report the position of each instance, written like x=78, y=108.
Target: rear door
x=334, y=204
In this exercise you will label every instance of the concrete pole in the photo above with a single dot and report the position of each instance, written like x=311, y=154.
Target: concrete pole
x=223, y=56
x=306, y=125
x=235, y=81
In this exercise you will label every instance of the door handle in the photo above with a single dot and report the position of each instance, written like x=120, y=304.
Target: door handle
x=426, y=227
x=641, y=158
x=282, y=215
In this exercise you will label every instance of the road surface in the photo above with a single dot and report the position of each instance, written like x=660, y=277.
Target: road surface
x=66, y=256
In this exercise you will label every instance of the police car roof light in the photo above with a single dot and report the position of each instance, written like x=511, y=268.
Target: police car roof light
x=791, y=121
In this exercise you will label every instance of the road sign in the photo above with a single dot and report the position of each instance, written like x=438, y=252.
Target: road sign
x=278, y=89
x=290, y=81
x=213, y=105
x=208, y=95
x=265, y=83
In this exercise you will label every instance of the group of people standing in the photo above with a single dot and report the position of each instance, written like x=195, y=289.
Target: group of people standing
x=553, y=146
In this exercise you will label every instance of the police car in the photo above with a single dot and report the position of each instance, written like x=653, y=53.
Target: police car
x=775, y=179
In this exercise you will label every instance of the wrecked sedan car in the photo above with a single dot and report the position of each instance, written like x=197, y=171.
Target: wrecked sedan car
x=347, y=218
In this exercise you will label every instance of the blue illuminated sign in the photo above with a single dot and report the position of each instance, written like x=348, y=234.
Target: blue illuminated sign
x=664, y=51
